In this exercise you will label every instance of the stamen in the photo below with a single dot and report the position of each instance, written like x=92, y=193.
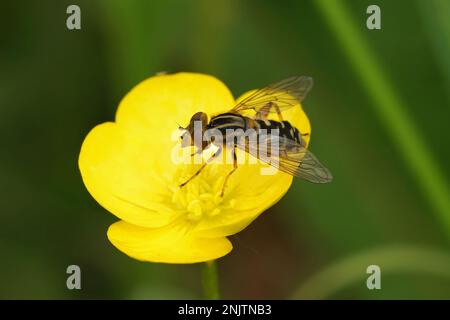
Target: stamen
x=200, y=198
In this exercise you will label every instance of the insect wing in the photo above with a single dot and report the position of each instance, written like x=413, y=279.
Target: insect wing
x=288, y=156
x=285, y=94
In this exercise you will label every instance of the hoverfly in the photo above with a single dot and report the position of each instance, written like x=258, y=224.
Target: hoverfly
x=292, y=158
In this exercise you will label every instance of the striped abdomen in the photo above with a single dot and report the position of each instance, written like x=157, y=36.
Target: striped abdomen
x=233, y=121
x=285, y=129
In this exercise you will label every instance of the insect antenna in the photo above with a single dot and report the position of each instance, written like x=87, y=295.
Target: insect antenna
x=179, y=126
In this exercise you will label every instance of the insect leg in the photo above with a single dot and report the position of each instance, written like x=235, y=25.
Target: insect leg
x=233, y=151
x=277, y=109
x=219, y=150
x=264, y=112
x=198, y=151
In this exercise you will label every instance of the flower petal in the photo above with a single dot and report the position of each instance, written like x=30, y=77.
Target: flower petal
x=250, y=194
x=120, y=171
x=168, y=244
x=156, y=105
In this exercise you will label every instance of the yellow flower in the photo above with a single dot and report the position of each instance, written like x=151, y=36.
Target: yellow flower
x=126, y=166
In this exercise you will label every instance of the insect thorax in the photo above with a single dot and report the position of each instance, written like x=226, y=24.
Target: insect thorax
x=226, y=121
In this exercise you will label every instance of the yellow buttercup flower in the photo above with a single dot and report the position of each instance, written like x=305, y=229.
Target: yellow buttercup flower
x=127, y=167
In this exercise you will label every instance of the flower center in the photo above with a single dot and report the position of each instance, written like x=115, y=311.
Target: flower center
x=201, y=197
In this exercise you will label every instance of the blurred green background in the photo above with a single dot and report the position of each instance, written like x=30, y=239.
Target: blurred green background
x=379, y=110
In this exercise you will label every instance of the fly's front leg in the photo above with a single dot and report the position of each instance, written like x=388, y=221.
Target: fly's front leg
x=233, y=151
x=198, y=151
x=218, y=151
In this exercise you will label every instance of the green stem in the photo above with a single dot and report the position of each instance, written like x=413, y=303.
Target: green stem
x=210, y=280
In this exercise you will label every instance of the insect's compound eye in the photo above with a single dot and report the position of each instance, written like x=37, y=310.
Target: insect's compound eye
x=183, y=133
x=185, y=139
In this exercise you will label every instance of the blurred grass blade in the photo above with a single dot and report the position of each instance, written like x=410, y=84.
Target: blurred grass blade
x=390, y=109
x=396, y=259
x=436, y=17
